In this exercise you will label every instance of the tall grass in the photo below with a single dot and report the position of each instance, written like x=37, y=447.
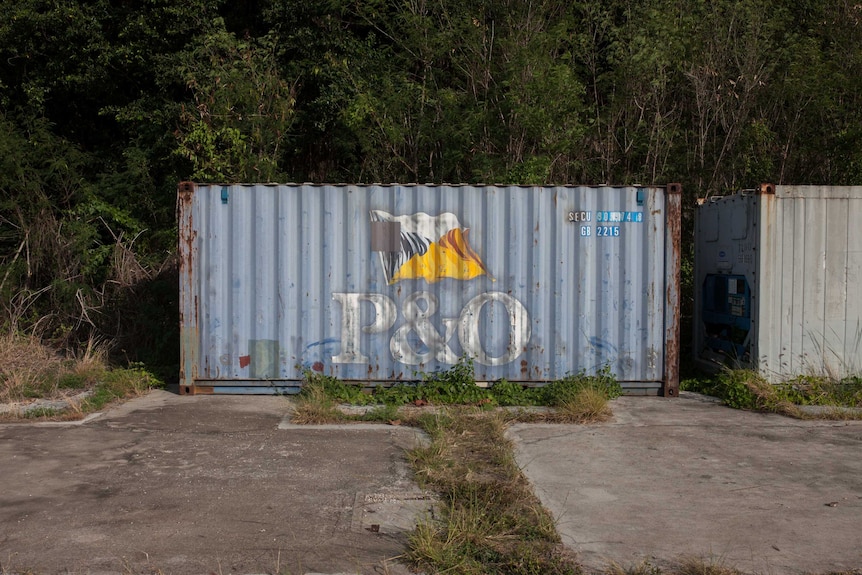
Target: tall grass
x=748, y=389
x=30, y=370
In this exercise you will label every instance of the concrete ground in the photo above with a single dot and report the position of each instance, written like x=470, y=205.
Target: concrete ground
x=220, y=484
x=674, y=478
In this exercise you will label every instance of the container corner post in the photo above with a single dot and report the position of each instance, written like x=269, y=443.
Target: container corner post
x=767, y=189
x=673, y=263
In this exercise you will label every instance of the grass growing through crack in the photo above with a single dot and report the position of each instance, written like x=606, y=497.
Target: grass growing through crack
x=690, y=565
x=315, y=405
x=684, y=566
x=575, y=398
x=491, y=521
x=586, y=405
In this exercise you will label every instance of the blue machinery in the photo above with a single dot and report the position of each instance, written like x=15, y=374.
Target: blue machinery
x=726, y=314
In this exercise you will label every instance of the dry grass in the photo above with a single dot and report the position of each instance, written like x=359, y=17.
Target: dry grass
x=93, y=357
x=31, y=371
x=704, y=566
x=23, y=352
x=768, y=398
x=16, y=385
x=642, y=568
x=469, y=445
x=314, y=407
x=834, y=414
x=588, y=405
x=683, y=566
x=690, y=566
x=27, y=369
x=772, y=398
x=585, y=406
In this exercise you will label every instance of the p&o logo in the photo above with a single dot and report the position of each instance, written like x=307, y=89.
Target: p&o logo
x=427, y=248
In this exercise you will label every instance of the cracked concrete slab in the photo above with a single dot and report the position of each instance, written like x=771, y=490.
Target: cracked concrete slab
x=669, y=478
x=227, y=484
x=200, y=484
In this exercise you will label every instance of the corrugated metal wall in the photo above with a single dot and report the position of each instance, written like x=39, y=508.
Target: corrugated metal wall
x=800, y=250
x=376, y=283
x=810, y=312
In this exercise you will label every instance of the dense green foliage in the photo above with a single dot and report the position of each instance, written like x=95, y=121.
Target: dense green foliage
x=105, y=106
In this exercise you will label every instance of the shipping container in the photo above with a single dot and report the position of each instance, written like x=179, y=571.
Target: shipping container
x=379, y=284
x=777, y=281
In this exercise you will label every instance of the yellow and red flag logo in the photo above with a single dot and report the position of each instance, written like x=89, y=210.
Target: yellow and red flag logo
x=420, y=246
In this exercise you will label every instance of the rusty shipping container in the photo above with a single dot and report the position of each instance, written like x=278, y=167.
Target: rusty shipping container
x=379, y=283
x=777, y=281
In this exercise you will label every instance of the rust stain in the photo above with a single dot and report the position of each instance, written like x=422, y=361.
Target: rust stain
x=244, y=360
x=673, y=225
x=189, y=306
x=317, y=366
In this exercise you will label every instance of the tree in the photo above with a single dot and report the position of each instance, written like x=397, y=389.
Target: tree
x=236, y=127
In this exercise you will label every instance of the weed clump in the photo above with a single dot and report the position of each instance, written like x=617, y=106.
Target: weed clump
x=588, y=405
x=576, y=398
x=814, y=390
x=117, y=384
x=315, y=404
x=455, y=385
x=564, y=389
x=747, y=389
x=684, y=566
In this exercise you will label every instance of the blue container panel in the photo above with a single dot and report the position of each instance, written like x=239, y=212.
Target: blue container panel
x=383, y=282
